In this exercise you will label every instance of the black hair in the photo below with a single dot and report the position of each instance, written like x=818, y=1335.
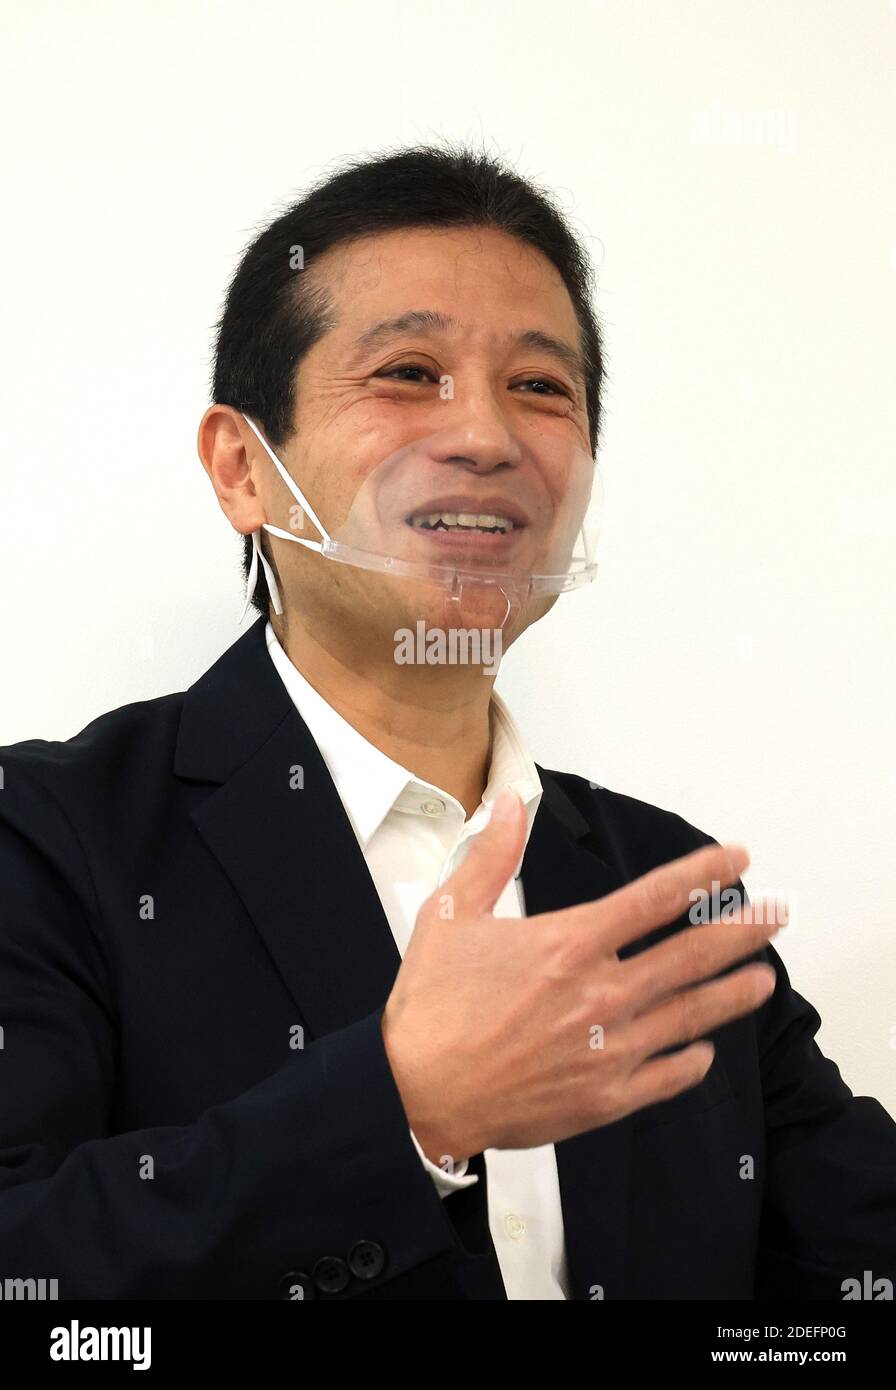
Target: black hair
x=272, y=316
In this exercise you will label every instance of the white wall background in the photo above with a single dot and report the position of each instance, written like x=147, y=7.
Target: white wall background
x=735, y=160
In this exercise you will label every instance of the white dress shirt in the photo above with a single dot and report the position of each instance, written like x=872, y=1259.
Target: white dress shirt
x=413, y=836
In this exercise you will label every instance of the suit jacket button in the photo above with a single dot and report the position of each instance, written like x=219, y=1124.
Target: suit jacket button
x=330, y=1274
x=367, y=1259
x=296, y=1285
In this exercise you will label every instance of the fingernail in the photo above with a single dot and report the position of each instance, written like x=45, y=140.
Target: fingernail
x=506, y=805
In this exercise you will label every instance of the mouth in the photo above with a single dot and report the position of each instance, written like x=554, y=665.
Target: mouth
x=486, y=523
x=465, y=517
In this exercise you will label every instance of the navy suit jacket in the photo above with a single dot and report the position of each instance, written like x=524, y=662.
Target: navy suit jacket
x=178, y=914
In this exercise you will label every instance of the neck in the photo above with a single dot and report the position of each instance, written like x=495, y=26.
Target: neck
x=432, y=720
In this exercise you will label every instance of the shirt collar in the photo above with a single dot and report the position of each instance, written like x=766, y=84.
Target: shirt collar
x=371, y=785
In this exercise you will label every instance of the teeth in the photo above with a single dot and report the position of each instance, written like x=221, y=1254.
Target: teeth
x=478, y=521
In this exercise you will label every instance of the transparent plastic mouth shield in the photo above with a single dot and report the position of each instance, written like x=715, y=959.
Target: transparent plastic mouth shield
x=484, y=534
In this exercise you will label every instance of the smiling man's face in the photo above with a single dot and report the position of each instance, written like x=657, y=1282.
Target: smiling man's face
x=488, y=473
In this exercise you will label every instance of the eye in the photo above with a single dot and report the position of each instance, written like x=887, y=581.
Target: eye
x=552, y=386
x=403, y=367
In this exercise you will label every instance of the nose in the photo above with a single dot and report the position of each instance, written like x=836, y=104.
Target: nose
x=478, y=440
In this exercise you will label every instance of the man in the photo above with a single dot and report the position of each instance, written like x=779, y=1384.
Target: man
x=273, y=1023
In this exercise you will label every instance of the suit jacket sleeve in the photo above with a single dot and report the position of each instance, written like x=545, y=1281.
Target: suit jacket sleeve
x=307, y=1163
x=829, y=1199
x=829, y=1211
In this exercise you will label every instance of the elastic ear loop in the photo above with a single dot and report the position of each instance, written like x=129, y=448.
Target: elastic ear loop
x=252, y=578
x=257, y=553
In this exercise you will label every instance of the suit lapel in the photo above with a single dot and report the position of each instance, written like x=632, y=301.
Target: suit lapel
x=562, y=866
x=278, y=829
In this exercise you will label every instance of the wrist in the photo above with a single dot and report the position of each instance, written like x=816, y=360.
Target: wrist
x=441, y=1140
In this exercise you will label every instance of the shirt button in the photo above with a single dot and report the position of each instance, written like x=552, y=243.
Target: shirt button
x=514, y=1226
x=433, y=807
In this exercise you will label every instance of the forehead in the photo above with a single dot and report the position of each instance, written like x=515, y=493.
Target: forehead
x=479, y=277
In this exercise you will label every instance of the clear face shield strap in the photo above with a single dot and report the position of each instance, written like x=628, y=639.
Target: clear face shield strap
x=257, y=553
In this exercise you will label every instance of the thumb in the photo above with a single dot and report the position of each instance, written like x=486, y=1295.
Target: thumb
x=491, y=860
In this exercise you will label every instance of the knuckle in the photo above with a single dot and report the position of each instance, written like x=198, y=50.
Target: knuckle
x=659, y=892
x=614, y=1102
x=607, y=1000
x=562, y=952
x=673, y=1080
x=688, y=1014
x=611, y=1097
x=694, y=948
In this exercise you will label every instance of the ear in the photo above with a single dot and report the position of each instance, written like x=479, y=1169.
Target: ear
x=225, y=447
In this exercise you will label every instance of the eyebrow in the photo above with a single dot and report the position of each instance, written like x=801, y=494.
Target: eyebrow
x=431, y=321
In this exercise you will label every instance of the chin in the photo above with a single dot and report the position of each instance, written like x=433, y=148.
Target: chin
x=483, y=609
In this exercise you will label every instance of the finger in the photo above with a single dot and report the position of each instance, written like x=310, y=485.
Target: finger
x=695, y=1012
x=664, y=1077
x=491, y=860
x=658, y=897
x=697, y=953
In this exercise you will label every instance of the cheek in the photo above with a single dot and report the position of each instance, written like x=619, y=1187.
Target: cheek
x=341, y=483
